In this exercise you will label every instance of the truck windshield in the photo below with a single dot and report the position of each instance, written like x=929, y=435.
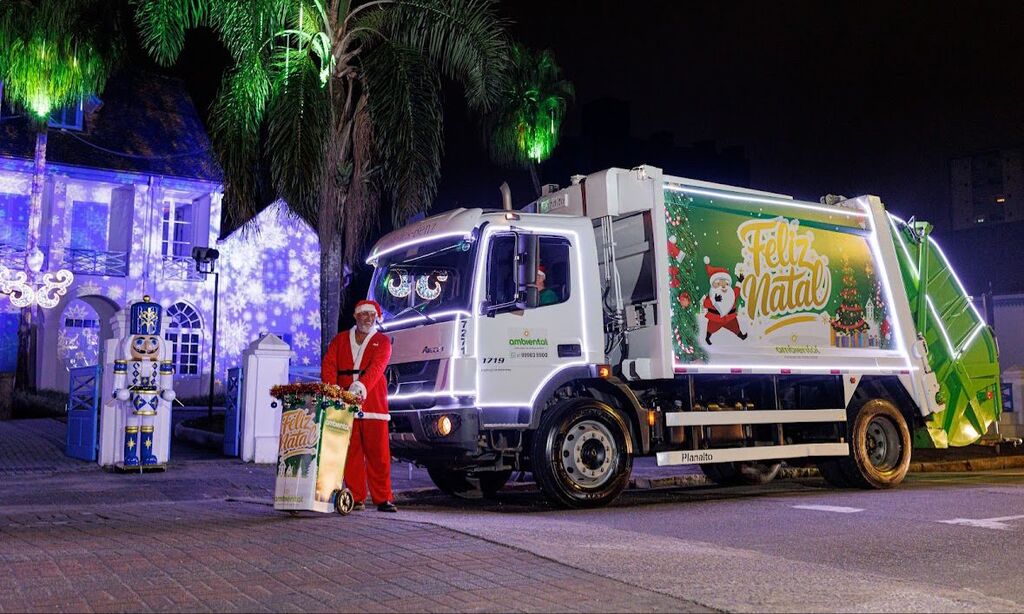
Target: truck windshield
x=428, y=279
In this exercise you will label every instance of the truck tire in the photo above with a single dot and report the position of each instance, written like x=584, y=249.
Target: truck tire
x=880, y=447
x=462, y=484
x=741, y=474
x=580, y=454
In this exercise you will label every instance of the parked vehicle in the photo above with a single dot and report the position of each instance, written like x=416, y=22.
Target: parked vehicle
x=634, y=313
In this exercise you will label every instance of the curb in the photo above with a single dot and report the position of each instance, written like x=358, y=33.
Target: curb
x=199, y=437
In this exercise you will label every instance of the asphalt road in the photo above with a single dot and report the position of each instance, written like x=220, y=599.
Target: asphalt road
x=940, y=542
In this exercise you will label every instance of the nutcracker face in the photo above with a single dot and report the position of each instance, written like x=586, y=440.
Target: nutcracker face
x=145, y=347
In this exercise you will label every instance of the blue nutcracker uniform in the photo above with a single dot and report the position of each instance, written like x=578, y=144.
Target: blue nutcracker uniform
x=143, y=378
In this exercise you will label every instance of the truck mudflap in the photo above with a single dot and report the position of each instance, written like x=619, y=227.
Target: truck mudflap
x=961, y=349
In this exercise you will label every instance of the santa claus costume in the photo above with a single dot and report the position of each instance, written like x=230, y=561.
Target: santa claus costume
x=721, y=302
x=359, y=368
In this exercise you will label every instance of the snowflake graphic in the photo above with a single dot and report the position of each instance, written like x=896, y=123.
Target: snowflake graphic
x=300, y=340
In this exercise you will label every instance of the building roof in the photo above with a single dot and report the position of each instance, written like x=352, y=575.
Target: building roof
x=149, y=116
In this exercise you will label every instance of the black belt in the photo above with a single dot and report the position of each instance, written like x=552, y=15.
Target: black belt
x=350, y=372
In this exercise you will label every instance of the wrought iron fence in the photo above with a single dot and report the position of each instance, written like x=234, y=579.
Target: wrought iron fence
x=13, y=256
x=181, y=268
x=94, y=262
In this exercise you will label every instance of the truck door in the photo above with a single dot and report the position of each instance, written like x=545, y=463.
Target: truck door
x=520, y=346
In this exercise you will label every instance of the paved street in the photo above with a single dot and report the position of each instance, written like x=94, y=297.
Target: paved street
x=202, y=536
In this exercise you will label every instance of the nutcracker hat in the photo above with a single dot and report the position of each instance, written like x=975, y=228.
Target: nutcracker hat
x=368, y=305
x=144, y=317
x=716, y=273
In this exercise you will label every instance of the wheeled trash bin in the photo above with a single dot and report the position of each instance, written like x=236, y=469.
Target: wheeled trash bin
x=316, y=425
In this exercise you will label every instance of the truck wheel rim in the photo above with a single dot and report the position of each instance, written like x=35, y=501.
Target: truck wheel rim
x=882, y=443
x=588, y=454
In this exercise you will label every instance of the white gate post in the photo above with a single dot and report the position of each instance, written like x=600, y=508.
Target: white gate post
x=264, y=364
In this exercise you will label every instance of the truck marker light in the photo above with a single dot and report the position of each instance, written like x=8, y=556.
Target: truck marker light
x=835, y=371
x=651, y=416
x=785, y=371
x=604, y=371
x=735, y=370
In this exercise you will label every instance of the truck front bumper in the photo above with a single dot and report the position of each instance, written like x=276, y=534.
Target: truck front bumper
x=416, y=434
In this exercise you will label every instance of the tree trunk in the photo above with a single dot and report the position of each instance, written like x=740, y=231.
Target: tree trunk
x=25, y=375
x=330, y=283
x=535, y=177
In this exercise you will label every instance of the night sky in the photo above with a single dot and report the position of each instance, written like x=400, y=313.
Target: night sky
x=812, y=97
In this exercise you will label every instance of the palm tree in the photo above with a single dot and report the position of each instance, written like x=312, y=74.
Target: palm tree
x=334, y=106
x=53, y=53
x=524, y=129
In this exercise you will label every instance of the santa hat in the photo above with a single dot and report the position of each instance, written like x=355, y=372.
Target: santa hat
x=716, y=273
x=368, y=305
x=541, y=272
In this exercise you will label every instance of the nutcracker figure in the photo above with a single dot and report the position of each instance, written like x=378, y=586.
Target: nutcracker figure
x=144, y=379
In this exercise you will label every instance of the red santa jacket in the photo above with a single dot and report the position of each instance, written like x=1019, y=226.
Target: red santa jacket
x=338, y=365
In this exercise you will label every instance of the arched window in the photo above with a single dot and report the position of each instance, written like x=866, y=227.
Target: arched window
x=185, y=335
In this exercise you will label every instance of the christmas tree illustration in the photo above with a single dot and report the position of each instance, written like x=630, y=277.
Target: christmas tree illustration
x=682, y=248
x=849, y=317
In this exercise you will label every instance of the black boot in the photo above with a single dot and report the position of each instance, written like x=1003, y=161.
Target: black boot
x=387, y=506
x=742, y=336
x=707, y=339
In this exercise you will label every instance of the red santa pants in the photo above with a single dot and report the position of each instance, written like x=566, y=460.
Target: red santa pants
x=369, y=455
x=729, y=322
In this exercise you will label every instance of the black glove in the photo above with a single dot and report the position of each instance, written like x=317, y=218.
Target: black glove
x=718, y=298
x=739, y=278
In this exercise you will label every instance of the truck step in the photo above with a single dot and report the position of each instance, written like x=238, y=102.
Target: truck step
x=768, y=416
x=728, y=455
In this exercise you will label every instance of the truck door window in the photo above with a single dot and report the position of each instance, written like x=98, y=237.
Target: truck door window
x=554, y=264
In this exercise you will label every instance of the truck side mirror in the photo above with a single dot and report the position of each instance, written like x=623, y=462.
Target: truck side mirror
x=527, y=259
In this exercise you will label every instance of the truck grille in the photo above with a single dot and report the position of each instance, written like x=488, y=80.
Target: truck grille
x=412, y=377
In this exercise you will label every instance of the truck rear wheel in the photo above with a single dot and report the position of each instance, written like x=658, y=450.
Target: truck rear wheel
x=879, y=449
x=580, y=454
x=741, y=474
x=462, y=484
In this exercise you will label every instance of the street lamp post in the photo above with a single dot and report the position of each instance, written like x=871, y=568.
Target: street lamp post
x=206, y=259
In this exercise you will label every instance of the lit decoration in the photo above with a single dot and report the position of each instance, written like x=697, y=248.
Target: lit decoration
x=23, y=289
x=403, y=287
x=427, y=292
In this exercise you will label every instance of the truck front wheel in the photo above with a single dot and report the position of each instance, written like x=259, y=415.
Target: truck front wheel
x=879, y=448
x=580, y=454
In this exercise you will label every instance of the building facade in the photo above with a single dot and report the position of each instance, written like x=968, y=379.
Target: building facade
x=131, y=186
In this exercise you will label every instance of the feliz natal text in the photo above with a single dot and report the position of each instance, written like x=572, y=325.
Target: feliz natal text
x=787, y=275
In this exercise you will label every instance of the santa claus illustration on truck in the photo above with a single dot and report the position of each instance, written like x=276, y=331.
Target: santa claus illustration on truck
x=721, y=301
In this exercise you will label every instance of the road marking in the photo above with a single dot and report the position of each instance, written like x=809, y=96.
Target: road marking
x=829, y=508
x=997, y=524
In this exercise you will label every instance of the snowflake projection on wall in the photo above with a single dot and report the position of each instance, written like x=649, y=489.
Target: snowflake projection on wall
x=250, y=301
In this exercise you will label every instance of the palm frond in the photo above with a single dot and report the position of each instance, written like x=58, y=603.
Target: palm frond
x=404, y=102
x=162, y=25
x=52, y=53
x=464, y=39
x=297, y=127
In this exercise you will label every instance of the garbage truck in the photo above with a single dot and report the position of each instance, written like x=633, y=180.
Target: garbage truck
x=634, y=313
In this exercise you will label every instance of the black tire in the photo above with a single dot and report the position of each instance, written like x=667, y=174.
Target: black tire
x=463, y=484
x=880, y=446
x=832, y=471
x=581, y=454
x=750, y=473
x=343, y=501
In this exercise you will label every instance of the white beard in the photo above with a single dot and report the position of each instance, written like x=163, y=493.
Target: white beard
x=725, y=305
x=364, y=329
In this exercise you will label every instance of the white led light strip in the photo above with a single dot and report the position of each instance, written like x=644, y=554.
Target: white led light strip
x=953, y=352
x=764, y=200
x=394, y=248
x=478, y=296
x=775, y=368
x=422, y=318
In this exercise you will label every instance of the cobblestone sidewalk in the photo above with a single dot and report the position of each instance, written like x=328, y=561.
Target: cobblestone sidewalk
x=224, y=556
